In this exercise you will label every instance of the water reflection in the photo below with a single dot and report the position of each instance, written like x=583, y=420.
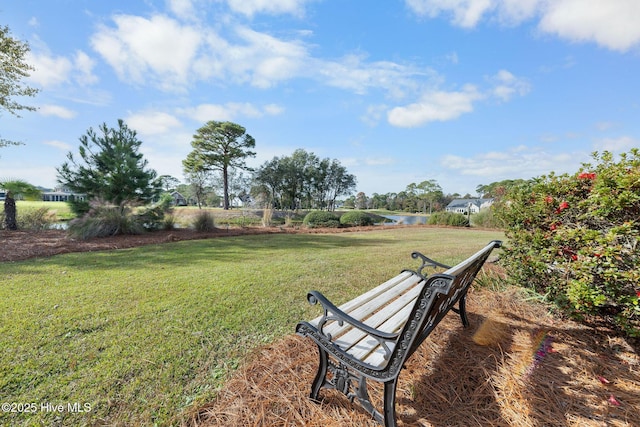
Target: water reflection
x=406, y=219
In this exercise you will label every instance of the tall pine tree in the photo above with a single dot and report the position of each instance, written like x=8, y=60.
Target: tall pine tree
x=220, y=146
x=110, y=167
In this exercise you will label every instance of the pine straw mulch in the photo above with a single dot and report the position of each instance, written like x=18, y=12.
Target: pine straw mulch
x=532, y=369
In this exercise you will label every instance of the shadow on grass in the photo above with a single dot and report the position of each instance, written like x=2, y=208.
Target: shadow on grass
x=240, y=249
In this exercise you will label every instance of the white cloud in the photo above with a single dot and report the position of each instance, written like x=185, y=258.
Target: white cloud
x=609, y=23
x=63, y=146
x=84, y=69
x=181, y=8
x=517, y=162
x=49, y=70
x=205, y=112
x=273, y=109
x=374, y=114
x=616, y=145
x=435, y=106
x=453, y=57
x=513, y=12
x=465, y=13
x=152, y=122
x=36, y=175
x=229, y=111
x=159, y=48
x=57, y=111
x=172, y=55
x=267, y=59
x=353, y=73
x=379, y=161
x=272, y=7
x=164, y=52
x=506, y=85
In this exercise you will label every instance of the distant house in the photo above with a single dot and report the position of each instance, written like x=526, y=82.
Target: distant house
x=178, y=199
x=60, y=195
x=464, y=205
x=3, y=194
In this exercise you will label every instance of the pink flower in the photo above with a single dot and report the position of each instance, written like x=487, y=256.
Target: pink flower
x=603, y=380
x=613, y=400
x=548, y=199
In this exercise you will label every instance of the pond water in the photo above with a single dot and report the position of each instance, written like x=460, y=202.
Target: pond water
x=406, y=219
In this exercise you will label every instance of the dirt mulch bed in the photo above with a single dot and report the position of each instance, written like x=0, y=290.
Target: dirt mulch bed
x=529, y=369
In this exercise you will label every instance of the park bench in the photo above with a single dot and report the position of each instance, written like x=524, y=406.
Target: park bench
x=373, y=335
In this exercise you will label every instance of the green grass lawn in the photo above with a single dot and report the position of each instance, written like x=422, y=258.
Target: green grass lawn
x=60, y=210
x=141, y=335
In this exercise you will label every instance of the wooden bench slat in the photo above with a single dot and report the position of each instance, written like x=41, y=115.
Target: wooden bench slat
x=374, y=354
x=369, y=295
x=379, y=319
x=365, y=307
x=390, y=318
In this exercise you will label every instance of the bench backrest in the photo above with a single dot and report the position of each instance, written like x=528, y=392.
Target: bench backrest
x=440, y=293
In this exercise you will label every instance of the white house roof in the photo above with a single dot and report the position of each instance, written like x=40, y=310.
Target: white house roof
x=463, y=203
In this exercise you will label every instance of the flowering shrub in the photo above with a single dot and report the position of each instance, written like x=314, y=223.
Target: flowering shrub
x=574, y=238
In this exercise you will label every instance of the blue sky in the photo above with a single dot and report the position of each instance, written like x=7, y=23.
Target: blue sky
x=465, y=92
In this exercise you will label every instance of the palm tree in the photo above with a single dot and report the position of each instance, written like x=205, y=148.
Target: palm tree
x=16, y=188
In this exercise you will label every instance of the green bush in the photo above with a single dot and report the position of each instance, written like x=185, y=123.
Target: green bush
x=35, y=219
x=104, y=220
x=486, y=218
x=204, y=221
x=448, y=218
x=153, y=217
x=356, y=218
x=574, y=238
x=168, y=222
x=315, y=219
x=78, y=207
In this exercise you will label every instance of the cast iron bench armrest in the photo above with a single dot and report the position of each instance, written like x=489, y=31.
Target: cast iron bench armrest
x=427, y=262
x=331, y=312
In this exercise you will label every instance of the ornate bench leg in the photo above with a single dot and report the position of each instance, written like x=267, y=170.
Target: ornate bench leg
x=463, y=310
x=321, y=375
x=390, y=403
x=362, y=393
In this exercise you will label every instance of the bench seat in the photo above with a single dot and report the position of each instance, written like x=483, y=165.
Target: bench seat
x=385, y=308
